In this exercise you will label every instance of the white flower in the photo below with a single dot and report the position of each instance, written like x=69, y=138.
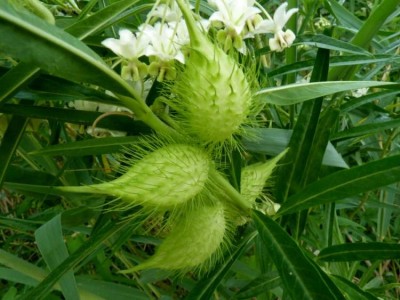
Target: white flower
x=359, y=92
x=233, y=14
x=163, y=45
x=128, y=45
x=282, y=39
x=168, y=13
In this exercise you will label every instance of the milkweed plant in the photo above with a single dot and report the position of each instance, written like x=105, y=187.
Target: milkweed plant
x=219, y=149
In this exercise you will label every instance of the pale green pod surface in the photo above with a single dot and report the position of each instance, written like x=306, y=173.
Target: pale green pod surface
x=194, y=242
x=214, y=96
x=36, y=7
x=162, y=179
x=254, y=176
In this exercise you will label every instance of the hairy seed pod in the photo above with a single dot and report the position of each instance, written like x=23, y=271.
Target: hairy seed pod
x=194, y=242
x=36, y=7
x=254, y=176
x=162, y=179
x=214, y=96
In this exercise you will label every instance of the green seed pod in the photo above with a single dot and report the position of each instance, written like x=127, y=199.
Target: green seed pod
x=254, y=176
x=36, y=7
x=194, y=243
x=213, y=93
x=161, y=180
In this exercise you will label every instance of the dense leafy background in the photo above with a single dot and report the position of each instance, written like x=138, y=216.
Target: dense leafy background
x=336, y=235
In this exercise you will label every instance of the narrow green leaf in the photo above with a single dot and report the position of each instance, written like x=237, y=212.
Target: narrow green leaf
x=15, y=79
x=263, y=283
x=346, y=18
x=99, y=20
x=57, y=89
x=93, y=244
x=204, y=289
x=360, y=251
x=367, y=129
x=320, y=141
x=352, y=291
x=327, y=42
x=345, y=183
x=357, y=102
x=122, y=123
x=22, y=266
x=89, y=146
x=40, y=44
x=301, y=278
x=110, y=290
x=27, y=273
x=300, y=92
x=293, y=166
x=50, y=241
x=15, y=276
x=334, y=61
x=10, y=141
x=364, y=34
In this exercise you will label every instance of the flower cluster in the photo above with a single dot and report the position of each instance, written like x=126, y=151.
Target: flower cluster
x=163, y=42
x=164, y=37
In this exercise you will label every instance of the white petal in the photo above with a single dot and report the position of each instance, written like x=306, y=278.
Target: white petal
x=113, y=45
x=289, y=37
x=180, y=57
x=290, y=13
x=265, y=26
x=280, y=15
x=275, y=45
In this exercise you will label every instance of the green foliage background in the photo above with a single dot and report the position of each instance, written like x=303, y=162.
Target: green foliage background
x=336, y=235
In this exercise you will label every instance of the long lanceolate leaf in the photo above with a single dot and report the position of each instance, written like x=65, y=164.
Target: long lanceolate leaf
x=345, y=183
x=360, y=251
x=93, y=244
x=291, y=172
x=302, y=278
x=36, y=42
x=50, y=241
x=300, y=92
x=15, y=79
x=10, y=141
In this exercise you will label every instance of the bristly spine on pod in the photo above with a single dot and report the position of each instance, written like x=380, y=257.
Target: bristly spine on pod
x=213, y=94
x=253, y=180
x=195, y=243
x=161, y=176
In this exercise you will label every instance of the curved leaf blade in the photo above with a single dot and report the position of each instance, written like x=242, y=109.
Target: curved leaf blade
x=360, y=251
x=99, y=20
x=327, y=42
x=51, y=244
x=302, y=278
x=300, y=92
x=38, y=43
x=345, y=183
x=206, y=287
x=351, y=290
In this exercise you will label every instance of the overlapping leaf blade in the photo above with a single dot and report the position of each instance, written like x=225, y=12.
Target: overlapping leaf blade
x=40, y=44
x=301, y=278
x=345, y=183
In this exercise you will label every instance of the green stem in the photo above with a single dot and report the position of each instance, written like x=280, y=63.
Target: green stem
x=146, y=115
x=229, y=191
